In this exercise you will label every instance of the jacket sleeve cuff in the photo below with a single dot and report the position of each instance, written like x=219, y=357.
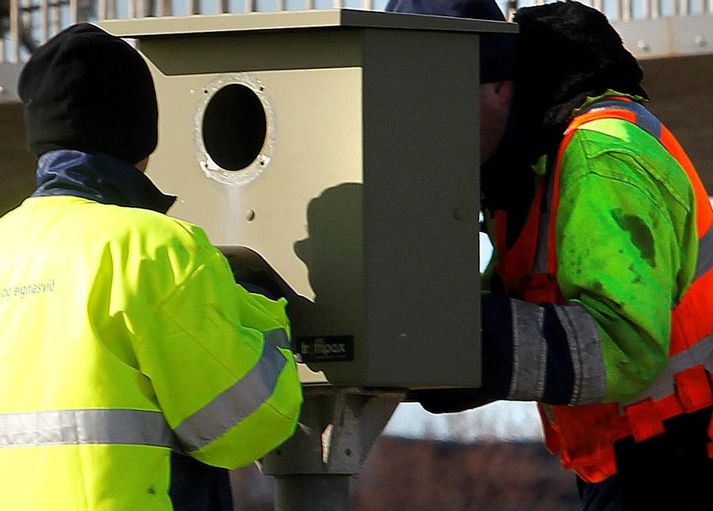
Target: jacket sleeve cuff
x=549, y=353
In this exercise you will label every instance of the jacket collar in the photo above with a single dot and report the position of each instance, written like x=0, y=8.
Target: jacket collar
x=98, y=177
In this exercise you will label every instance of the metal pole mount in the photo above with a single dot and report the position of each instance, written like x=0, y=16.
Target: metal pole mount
x=338, y=426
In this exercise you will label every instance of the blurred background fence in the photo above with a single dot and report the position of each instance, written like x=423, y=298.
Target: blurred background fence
x=26, y=23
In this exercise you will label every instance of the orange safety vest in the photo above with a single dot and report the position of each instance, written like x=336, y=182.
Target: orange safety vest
x=585, y=435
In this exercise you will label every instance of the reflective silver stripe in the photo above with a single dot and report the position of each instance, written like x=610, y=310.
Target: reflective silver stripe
x=705, y=254
x=234, y=404
x=75, y=427
x=277, y=337
x=529, y=352
x=644, y=119
x=699, y=353
x=589, y=384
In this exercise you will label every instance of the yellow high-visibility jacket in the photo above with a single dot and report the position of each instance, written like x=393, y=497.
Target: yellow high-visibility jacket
x=123, y=336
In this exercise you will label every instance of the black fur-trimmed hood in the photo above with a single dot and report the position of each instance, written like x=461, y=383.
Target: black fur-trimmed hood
x=567, y=51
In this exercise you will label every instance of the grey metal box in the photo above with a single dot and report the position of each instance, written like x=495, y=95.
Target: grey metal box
x=359, y=185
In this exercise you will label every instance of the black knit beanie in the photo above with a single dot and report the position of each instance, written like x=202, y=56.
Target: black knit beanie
x=88, y=90
x=497, y=51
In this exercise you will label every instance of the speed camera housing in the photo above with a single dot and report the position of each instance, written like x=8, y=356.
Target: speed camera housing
x=342, y=147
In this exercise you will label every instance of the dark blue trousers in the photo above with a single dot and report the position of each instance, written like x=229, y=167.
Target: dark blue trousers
x=669, y=472
x=196, y=486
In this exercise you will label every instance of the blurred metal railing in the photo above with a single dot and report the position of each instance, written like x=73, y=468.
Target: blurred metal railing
x=26, y=23
x=628, y=10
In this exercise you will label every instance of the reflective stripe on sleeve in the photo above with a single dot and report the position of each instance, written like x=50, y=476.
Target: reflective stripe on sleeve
x=585, y=353
x=529, y=353
x=234, y=404
x=75, y=427
x=556, y=355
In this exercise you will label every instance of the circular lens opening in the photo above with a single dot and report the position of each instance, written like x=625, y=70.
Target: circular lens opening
x=234, y=127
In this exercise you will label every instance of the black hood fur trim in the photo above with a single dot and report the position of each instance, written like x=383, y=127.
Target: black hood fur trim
x=567, y=52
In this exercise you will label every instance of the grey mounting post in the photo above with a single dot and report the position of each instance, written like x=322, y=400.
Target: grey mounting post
x=338, y=426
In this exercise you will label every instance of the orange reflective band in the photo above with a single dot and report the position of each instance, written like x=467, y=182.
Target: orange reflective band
x=589, y=454
x=644, y=419
x=669, y=407
x=692, y=318
x=704, y=212
x=516, y=263
x=693, y=389
x=693, y=393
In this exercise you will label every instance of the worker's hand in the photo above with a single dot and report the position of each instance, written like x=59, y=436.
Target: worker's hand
x=450, y=400
x=259, y=282
x=255, y=274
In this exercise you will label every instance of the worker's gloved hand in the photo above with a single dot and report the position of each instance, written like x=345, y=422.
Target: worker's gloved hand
x=254, y=273
x=497, y=364
x=450, y=400
x=259, y=282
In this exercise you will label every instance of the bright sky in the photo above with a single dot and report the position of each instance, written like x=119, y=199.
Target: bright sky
x=503, y=420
